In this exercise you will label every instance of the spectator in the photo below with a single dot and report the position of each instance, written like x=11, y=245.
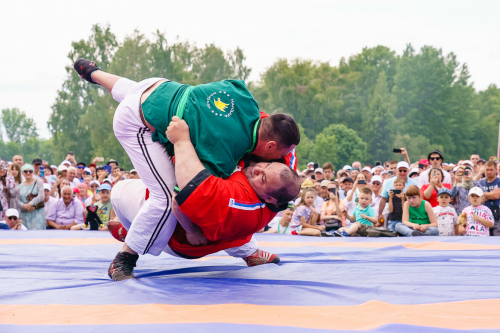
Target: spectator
x=430, y=191
x=58, y=185
x=328, y=171
x=333, y=212
x=112, y=163
x=74, y=182
x=318, y=174
x=317, y=185
x=54, y=171
x=460, y=190
x=305, y=216
x=414, y=173
x=7, y=183
x=498, y=168
x=352, y=196
x=402, y=173
x=83, y=195
x=48, y=175
x=418, y=216
x=393, y=165
x=386, y=165
x=87, y=180
x=80, y=171
x=356, y=164
x=310, y=166
x=446, y=215
x=367, y=171
x=423, y=165
x=15, y=171
x=323, y=193
x=135, y=175
x=490, y=187
x=66, y=212
x=363, y=216
x=94, y=186
x=378, y=170
x=436, y=160
x=396, y=202
x=37, y=163
x=346, y=185
x=481, y=162
x=31, y=198
x=105, y=212
x=480, y=218
x=376, y=187
x=18, y=159
x=385, y=175
x=48, y=201
x=280, y=224
x=474, y=158
x=11, y=219
x=354, y=173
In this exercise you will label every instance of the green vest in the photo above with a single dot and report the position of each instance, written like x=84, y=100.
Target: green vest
x=419, y=215
x=223, y=119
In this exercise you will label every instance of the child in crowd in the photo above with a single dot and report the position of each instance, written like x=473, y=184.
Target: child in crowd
x=396, y=202
x=104, y=210
x=446, y=215
x=363, y=216
x=305, y=216
x=479, y=217
x=280, y=224
x=418, y=216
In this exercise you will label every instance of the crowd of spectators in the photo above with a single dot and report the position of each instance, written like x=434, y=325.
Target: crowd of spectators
x=396, y=198
x=38, y=196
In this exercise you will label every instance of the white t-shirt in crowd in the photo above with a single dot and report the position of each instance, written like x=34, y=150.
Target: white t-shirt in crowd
x=275, y=224
x=473, y=227
x=423, y=179
x=74, y=183
x=447, y=220
x=23, y=228
x=88, y=201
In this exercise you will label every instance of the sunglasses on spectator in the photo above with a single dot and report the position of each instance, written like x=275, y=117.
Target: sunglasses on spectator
x=81, y=167
x=12, y=218
x=94, y=186
x=434, y=158
x=28, y=171
x=403, y=171
x=376, y=183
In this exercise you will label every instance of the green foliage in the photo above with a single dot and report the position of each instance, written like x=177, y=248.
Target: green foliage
x=17, y=126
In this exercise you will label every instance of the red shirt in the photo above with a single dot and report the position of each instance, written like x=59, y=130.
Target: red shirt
x=433, y=199
x=227, y=210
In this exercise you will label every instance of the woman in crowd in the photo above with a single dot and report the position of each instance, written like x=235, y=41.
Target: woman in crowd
x=430, y=191
x=15, y=171
x=460, y=191
x=333, y=211
x=6, y=184
x=83, y=195
x=31, y=200
x=418, y=216
x=58, y=185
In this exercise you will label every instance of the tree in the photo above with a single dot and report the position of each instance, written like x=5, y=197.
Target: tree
x=17, y=126
x=303, y=149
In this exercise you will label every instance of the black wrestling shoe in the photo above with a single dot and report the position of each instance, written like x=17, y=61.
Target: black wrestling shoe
x=122, y=267
x=85, y=68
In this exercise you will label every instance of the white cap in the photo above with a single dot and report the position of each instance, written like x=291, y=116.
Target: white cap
x=414, y=170
x=384, y=173
x=46, y=186
x=377, y=179
x=61, y=168
x=66, y=163
x=53, y=166
x=445, y=164
x=451, y=164
x=12, y=212
x=477, y=191
x=320, y=170
x=87, y=170
x=455, y=169
x=95, y=182
x=310, y=163
x=347, y=167
x=305, y=170
x=403, y=164
x=367, y=169
x=133, y=170
x=468, y=162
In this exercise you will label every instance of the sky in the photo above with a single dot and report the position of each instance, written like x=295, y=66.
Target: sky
x=36, y=36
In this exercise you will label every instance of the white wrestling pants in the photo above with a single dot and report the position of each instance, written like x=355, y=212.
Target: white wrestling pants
x=154, y=224
x=127, y=198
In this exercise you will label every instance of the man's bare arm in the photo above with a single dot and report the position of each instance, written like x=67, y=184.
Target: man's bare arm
x=187, y=163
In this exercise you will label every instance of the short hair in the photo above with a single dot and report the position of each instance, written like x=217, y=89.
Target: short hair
x=65, y=187
x=413, y=191
x=399, y=181
x=490, y=164
x=282, y=129
x=290, y=186
x=342, y=174
x=72, y=168
x=393, y=162
x=365, y=190
x=367, y=165
x=308, y=172
x=116, y=167
x=327, y=166
x=442, y=174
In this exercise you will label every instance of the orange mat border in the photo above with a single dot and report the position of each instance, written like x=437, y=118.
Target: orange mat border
x=474, y=314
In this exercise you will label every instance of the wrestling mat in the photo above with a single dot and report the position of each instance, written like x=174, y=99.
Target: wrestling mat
x=55, y=281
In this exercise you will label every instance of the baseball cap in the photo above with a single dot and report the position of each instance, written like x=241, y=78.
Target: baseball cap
x=133, y=170
x=12, y=212
x=424, y=162
x=67, y=163
x=310, y=163
x=53, y=166
x=37, y=161
x=367, y=169
x=291, y=206
x=104, y=187
x=436, y=151
x=468, y=162
x=95, y=182
x=107, y=180
x=46, y=186
x=320, y=170
x=307, y=183
x=455, y=168
x=112, y=161
x=444, y=190
x=347, y=167
x=92, y=165
x=81, y=163
x=477, y=191
x=403, y=164
x=384, y=173
x=413, y=171
x=376, y=179
x=61, y=168
x=348, y=179
x=325, y=183
x=87, y=170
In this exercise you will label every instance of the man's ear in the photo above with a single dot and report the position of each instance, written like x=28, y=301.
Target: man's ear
x=271, y=145
x=271, y=201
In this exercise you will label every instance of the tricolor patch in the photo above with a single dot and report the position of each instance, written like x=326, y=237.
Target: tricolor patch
x=246, y=205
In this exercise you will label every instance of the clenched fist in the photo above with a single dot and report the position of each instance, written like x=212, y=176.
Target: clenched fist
x=177, y=130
